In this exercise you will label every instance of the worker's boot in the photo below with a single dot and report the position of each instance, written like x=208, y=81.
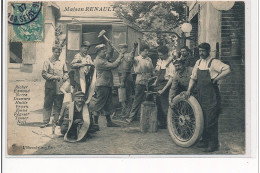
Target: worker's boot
x=96, y=123
x=110, y=123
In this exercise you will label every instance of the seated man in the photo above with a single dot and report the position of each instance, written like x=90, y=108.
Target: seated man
x=75, y=119
x=180, y=79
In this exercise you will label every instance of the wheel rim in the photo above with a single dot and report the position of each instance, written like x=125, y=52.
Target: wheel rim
x=183, y=121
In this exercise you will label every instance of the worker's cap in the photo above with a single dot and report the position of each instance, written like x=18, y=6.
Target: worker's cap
x=100, y=47
x=205, y=46
x=79, y=94
x=85, y=44
x=123, y=45
x=178, y=62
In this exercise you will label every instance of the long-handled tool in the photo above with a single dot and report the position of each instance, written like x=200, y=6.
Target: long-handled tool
x=102, y=34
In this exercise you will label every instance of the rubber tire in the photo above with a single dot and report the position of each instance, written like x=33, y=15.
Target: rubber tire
x=199, y=124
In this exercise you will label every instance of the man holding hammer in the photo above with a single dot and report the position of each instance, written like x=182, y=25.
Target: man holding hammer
x=102, y=100
x=125, y=78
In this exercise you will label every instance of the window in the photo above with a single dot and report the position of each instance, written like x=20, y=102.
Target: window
x=16, y=52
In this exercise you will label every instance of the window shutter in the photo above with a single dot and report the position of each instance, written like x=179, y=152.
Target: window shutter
x=74, y=36
x=29, y=53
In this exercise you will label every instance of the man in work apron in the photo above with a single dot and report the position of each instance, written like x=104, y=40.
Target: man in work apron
x=209, y=99
x=162, y=84
x=207, y=72
x=162, y=100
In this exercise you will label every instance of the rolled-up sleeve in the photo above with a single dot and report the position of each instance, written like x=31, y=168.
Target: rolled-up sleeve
x=219, y=66
x=75, y=63
x=170, y=71
x=194, y=71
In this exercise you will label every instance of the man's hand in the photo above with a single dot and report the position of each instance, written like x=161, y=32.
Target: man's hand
x=109, y=42
x=170, y=102
x=215, y=81
x=160, y=91
x=121, y=55
x=154, y=84
x=185, y=94
x=65, y=77
x=57, y=78
x=78, y=121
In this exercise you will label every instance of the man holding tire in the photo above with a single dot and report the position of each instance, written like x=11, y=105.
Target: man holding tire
x=206, y=74
x=180, y=80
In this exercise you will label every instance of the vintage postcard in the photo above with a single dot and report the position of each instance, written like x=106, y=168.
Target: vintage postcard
x=127, y=78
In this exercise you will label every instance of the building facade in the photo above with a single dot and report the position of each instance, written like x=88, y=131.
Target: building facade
x=223, y=26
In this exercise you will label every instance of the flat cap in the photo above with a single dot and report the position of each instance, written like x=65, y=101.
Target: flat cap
x=123, y=45
x=100, y=46
x=79, y=94
x=85, y=43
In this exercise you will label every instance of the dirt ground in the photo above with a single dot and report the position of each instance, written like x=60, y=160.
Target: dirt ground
x=127, y=140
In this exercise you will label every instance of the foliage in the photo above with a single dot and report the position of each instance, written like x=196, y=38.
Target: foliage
x=154, y=16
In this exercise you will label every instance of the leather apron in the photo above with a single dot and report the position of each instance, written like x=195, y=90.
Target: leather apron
x=161, y=80
x=208, y=97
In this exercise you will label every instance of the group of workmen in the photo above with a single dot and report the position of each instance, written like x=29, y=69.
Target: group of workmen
x=92, y=81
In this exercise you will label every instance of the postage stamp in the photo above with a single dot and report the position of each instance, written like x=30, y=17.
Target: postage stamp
x=127, y=78
x=27, y=21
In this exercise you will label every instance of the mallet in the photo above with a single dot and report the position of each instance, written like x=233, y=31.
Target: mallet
x=102, y=33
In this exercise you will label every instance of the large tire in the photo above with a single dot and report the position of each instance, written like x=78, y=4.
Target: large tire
x=185, y=121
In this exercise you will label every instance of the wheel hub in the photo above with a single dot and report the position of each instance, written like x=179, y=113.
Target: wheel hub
x=181, y=120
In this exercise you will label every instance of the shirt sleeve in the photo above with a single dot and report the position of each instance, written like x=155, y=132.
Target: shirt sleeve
x=45, y=74
x=105, y=65
x=219, y=66
x=65, y=69
x=158, y=65
x=170, y=70
x=194, y=71
x=75, y=62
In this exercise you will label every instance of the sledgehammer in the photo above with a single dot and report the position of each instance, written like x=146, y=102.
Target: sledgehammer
x=102, y=33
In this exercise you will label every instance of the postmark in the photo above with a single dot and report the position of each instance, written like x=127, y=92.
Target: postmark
x=27, y=21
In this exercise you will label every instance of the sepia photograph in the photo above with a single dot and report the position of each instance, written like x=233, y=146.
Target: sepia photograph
x=126, y=78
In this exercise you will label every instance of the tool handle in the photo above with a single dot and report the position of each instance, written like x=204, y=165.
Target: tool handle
x=111, y=43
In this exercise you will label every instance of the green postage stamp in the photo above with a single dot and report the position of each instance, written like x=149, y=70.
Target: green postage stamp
x=26, y=20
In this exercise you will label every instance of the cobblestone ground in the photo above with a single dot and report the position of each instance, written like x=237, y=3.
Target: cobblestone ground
x=30, y=139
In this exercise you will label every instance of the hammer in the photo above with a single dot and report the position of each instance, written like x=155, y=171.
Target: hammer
x=102, y=33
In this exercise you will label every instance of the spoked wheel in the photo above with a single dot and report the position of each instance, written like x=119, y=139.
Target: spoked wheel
x=185, y=121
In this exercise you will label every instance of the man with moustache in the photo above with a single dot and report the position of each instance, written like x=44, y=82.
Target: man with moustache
x=75, y=122
x=83, y=67
x=143, y=67
x=186, y=57
x=55, y=73
x=102, y=100
x=206, y=73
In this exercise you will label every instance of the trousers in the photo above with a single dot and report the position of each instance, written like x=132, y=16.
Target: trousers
x=52, y=101
x=138, y=99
